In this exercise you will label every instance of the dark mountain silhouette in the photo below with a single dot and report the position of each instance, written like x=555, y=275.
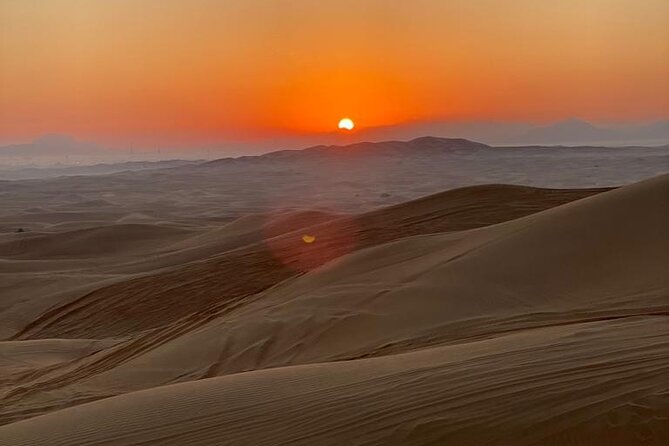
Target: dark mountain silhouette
x=426, y=145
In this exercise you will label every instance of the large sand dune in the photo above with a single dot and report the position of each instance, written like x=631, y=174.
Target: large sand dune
x=488, y=315
x=248, y=256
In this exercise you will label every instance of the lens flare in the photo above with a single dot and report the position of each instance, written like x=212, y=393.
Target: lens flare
x=308, y=238
x=305, y=250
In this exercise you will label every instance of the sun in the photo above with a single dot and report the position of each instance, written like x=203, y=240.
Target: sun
x=346, y=124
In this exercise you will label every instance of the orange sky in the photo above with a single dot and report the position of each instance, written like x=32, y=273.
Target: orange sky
x=193, y=70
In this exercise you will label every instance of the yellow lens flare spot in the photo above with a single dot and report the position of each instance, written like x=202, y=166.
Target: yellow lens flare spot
x=346, y=124
x=308, y=238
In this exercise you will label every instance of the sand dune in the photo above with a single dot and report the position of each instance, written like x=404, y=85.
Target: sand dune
x=246, y=230
x=147, y=302
x=103, y=241
x=466, y=318
x=43, y=270
x=583, y=384
x=23, y=356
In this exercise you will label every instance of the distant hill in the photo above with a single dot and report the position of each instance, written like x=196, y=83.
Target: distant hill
x=578, y=132
x=52, y=145
x=54, y=149
x=94, y=169
x=423, y=146
x=573, y=130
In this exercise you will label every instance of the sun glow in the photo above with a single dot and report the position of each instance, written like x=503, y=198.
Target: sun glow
x=346, y=124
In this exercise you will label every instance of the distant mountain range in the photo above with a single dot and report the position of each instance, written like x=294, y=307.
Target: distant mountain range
x=569, y=132
x=51, y=145
x=332, y=178
x=55, y=152
x=62, y=149
x=22, y=173
x=576, y=131
x=423, y=145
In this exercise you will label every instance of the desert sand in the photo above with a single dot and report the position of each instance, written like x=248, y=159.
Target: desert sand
x=484, y=315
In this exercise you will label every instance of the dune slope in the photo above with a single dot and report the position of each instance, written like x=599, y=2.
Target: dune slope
x=275, y=253
x=583, y=384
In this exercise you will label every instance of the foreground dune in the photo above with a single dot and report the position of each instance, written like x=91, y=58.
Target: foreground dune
x=549, y=329
x=587, y=383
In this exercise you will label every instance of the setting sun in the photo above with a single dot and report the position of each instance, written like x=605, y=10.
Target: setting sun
x=346, y=124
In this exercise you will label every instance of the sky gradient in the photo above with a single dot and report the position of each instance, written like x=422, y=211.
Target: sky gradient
x=174, y=72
